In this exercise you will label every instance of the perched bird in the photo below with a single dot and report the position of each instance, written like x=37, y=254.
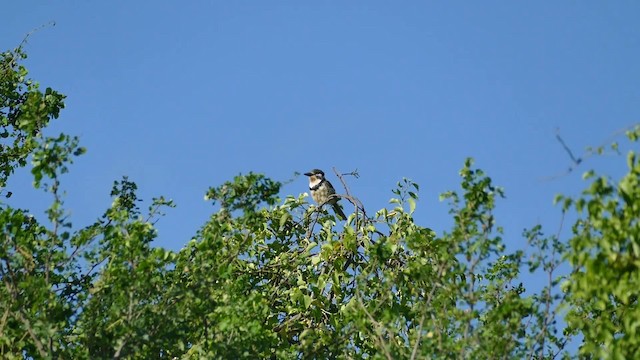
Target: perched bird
x=323, y=192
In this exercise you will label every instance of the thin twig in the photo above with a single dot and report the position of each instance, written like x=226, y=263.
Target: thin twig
x=577, y=161
x=33, y=31
x=13, y=61
x=428, y=300
x=379, y=327
x=312, y=224
x=414, y=352
x=32, y=334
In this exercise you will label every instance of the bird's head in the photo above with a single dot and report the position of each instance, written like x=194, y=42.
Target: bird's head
x=315, y=175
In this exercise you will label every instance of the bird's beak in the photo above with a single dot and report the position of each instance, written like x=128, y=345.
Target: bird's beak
x=308, y=174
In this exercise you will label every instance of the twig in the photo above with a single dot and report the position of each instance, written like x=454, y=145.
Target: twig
x=377, y=325
x=32, y=334
x=428, y=300
x=13, y=61
x=357, y=203
x=576, y=161
x=414, y=352
x=33, y=31
x=312, y=224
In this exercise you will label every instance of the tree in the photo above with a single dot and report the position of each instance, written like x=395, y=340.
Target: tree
x=602, y=291
x=267, y=277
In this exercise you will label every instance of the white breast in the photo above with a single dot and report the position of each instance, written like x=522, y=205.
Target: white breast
x=315, y=182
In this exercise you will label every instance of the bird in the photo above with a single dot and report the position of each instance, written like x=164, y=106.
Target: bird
x=323, y=192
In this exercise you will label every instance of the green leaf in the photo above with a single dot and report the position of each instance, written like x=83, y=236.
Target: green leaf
x=412, y=204
x=307, y=301
x=283, y=219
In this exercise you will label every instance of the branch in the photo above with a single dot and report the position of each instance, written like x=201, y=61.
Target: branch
x=549, y=313
x=415, y=346
x=3, y=321
x=379, y=328
x=357, y=203
x=441, y=270
x=312, y=224
x=32, y=334
x=51, y=23
x=359, y=206
x=13, y=61
x=576, y=161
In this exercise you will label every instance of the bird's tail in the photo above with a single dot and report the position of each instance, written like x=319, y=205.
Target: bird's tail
x=338, y=210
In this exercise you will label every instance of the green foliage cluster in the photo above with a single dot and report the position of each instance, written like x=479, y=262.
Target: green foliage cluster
x=267, y=277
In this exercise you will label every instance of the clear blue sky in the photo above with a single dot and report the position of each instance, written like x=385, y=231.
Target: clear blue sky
x=181, y=96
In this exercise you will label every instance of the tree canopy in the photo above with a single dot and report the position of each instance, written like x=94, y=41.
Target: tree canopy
x=271, y=276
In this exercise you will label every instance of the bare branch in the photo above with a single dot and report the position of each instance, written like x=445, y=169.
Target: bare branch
x=575, y=160
x=578, y=160
x=13, y=61
x=51, y=23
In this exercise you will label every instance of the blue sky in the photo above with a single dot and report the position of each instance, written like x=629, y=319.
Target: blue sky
x=181, y=96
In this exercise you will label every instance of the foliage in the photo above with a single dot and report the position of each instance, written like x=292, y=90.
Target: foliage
x=24, y=112
x=603, y=289
x=266, y=277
